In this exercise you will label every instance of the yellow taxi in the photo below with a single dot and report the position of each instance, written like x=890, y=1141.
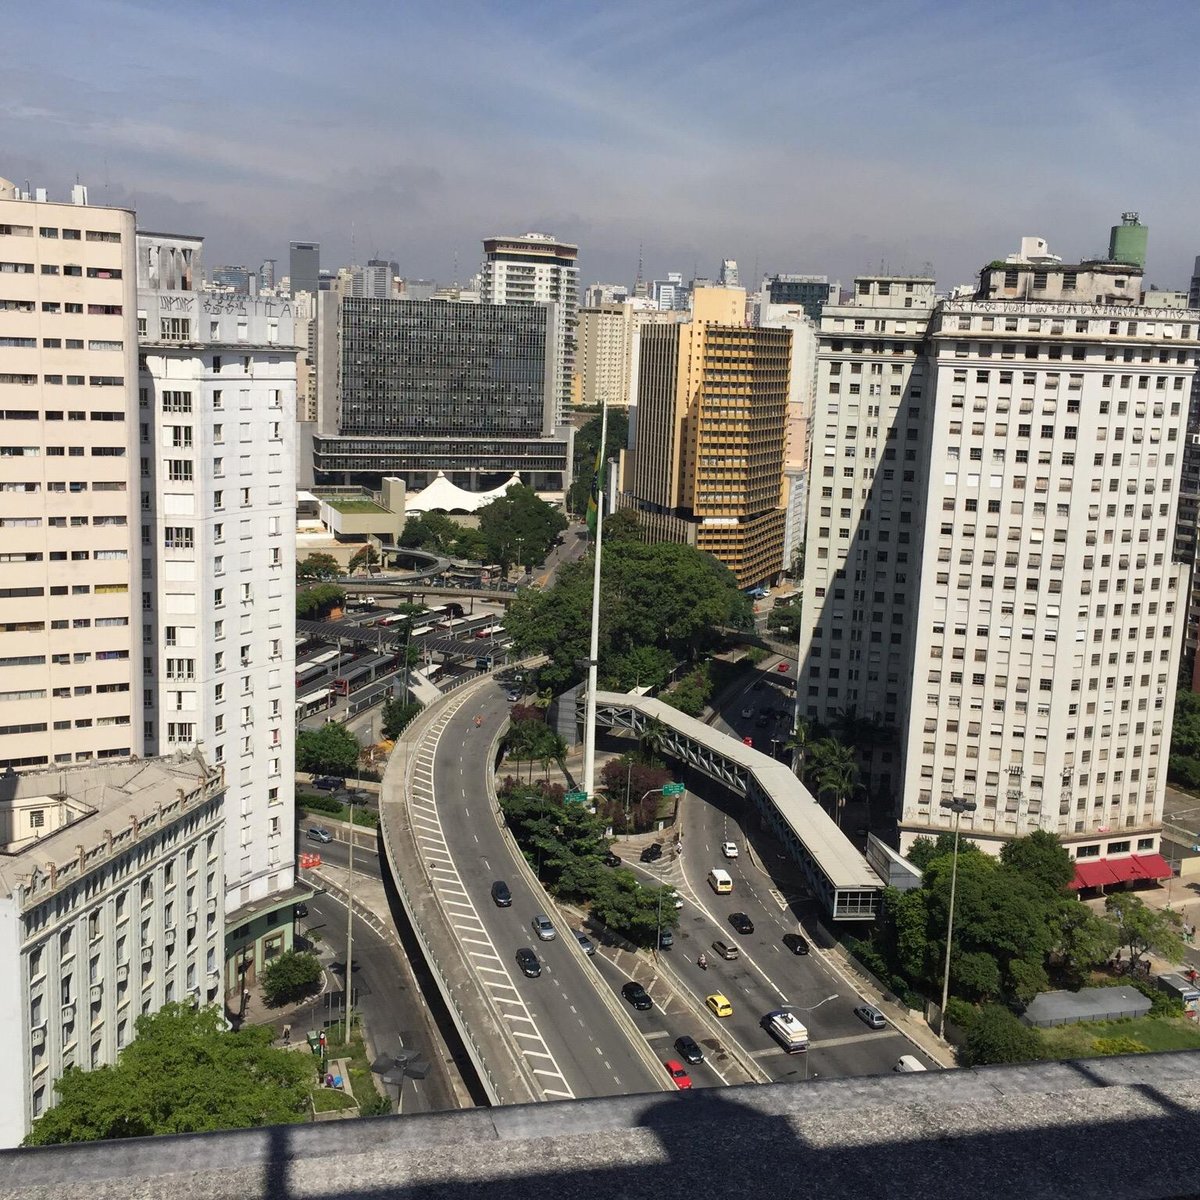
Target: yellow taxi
x=719, y=1005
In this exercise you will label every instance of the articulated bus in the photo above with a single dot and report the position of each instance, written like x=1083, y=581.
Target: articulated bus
x=365, y=672
x=312, y=703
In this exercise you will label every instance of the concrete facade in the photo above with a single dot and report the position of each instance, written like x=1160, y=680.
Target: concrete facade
x=218, y=394
x=70, y=687
x=110, y=907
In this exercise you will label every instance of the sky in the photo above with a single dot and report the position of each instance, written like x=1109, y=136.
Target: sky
x=791, y=135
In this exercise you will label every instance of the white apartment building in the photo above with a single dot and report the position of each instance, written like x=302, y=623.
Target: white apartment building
x=217, y=395
x=869, y=462
x=536, y=268
x=1050, y=614
x=110, y=907
x=69, y=634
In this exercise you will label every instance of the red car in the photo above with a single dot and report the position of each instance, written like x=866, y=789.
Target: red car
x=683, y=1081
x=783, y=668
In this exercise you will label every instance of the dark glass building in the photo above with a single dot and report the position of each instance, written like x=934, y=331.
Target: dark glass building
x=809, y=292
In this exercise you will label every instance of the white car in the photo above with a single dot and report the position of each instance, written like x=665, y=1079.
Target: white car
x=676, y=899
x=729, y=849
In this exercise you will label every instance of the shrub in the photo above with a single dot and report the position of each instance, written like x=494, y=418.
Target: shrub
x=325, y=804
x=290, y=977
x=1119, y=1045
x=960, y=1013
x=996, y=1036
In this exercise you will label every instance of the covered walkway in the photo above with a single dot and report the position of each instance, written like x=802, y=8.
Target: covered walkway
x=841, y=879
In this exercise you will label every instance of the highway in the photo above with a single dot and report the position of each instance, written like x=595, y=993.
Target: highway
x=562, y=1023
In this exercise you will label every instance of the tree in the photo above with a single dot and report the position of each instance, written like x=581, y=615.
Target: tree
x=587, y=443
x=785, y=616
x=520, y=527
x=924, y=850
x=632, y=910
x=183, y=1073
x=332, y=749
x=430, y=531
x=1040, y=857
x=1141, y=928
x=838, y=776
x=290, y=976
x=798, y=745
x=316, y=602
x=318, y=565
x=1082, y=939
x=626, y=781
x=621, y=526
x=996, y=1036
x=396, y=716
x=365, y=560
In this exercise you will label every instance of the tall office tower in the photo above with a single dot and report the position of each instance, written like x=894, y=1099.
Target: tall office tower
x=670, y=293
x=110, y=907
x=706, y=467
x=304, y=267
x=231, y=279
x=375, y=280
x=536, y=268
x=728, y=275
x=1050, y=612
x=1187, y=528
x=218, y=423
x=810, y=292
x=802, y=380
x=408, y=388
x=266, y=275
x=865, y=500
x=608, y=348
x=70, y=687
x=597, y=294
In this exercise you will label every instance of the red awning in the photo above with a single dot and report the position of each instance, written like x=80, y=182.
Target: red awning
x=1093, y=873
x=1124, y=868
x=1153, y=866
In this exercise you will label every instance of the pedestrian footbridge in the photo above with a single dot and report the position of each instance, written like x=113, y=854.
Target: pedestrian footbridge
x=840, y=877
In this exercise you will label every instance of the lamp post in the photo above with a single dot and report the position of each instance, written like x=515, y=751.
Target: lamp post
x=957, y=807
x=589, y=720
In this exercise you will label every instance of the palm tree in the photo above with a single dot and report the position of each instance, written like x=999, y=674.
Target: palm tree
x=653, y=737
x=798, y=744
x=826, y=753
x=840, y=779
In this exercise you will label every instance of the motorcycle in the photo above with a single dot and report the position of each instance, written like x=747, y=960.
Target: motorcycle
x=702, y=962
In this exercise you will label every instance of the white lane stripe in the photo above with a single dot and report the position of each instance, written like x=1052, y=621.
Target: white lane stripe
x=560, y=1095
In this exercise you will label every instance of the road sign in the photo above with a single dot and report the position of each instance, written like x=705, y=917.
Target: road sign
x=672, y=789
x=576, y=797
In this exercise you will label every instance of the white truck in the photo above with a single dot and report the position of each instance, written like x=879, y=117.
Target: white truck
x=788, y=1030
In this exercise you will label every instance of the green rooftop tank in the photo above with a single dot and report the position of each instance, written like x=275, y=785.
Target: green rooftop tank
x=1127, y=241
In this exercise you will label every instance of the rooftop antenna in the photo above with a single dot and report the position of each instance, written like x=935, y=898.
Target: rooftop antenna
x=639, y=270
x=456, y=268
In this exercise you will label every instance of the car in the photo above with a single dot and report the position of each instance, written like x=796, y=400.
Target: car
x=543, y=928
x=652, y=852
x=906, y=1064
x=666, y=939
x=328, y=783
x=585, y=943
x=300, y=910
x=683, y=1081
x=512, y=697
x=747, y=712
x=530, y=966
x=783, y=668
x=795, y=943
x=611, y=859
x=726, y=950
x=719, y=1005
x=318, y=833
x=870, y=1015
x=357, y=796
x=729, y=849
x=676, y=898
x=741, y=922
x=690, y=1049
x=637, y=996
x=501, y=895
x=748, y=741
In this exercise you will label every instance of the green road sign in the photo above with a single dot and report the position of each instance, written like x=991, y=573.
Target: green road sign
x=672, y=789
x=576, y=797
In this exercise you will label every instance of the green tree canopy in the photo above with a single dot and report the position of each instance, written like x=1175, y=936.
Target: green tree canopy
x=668, y=598
x=520, y=527
x=318, y=565
x=183, y=1073
x=587, y=442
x=365, y=560
x=290, y=976
x=1040, y=858
x=332, y=749
x=316, y=602
x=996, y=1036
x=1141, y=928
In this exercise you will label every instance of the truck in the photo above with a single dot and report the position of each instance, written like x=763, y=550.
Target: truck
x=787, y=1030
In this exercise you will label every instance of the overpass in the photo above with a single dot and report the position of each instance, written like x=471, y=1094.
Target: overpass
x=841, y=880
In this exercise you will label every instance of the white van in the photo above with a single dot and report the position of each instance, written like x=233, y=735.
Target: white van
x=720, y=881
x=908, y=1063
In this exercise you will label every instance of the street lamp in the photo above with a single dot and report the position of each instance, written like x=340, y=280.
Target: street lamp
x=957, y=807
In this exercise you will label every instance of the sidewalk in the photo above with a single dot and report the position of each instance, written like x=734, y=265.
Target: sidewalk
x=1179, y=895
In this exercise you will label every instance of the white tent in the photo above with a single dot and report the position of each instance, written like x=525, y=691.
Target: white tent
x=443, y=496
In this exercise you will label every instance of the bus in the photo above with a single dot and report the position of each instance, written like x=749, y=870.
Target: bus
x=365, y=672
x=489, y=631
x=394, y=619
x=312, y=703
x=307, y=672
x=421, y=631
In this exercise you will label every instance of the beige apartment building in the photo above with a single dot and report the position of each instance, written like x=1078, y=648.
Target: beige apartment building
x=707, y=462
x=607, y=354
x=70, y=595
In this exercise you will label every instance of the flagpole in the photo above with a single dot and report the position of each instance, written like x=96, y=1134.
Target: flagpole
x=589, y=719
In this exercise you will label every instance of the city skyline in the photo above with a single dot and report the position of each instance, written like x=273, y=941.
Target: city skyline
x=668, y=130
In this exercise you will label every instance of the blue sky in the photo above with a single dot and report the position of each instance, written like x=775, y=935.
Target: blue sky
x=796, y=136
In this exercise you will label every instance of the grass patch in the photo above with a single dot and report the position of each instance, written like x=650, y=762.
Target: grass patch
x=358, y=1066
x=365, y=817
x=355, y=506
x=330, y=1099
x=1152, y=1033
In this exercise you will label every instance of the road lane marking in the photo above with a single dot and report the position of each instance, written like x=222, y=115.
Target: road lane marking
x=560, y=1095
x=658, y=1033
x=854, y=1038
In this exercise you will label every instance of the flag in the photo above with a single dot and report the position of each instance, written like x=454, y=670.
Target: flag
x=597, y=495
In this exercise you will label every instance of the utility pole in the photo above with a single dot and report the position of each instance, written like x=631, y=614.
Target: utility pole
x=589, y=720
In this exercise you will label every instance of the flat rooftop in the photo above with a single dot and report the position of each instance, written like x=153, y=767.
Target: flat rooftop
x=1124, y=1128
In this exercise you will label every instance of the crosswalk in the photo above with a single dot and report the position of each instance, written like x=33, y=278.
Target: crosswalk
x=490, y=970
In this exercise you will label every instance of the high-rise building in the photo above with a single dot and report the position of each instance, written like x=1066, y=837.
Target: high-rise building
x=1127, y=241
x=671, y=293
x=408, y=388
x=70, y=684
x=231, y=279
x=537, y=268
x=110, y=907
x=728, y=275
x=706, y=466
x=218, y=426
x=375, y=280
x=1187, y=528
x=304, y=267
x=810, y=292
x=1028, y=475
x=607, y=354
x=597, y=294
x=266, y=275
